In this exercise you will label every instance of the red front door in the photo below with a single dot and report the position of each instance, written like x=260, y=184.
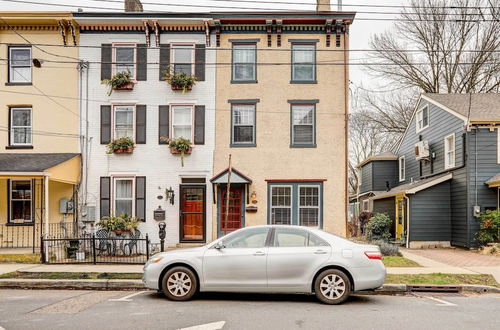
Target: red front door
x=192, y=213
x=233, y=219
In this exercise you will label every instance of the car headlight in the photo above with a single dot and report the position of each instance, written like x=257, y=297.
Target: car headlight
x=153, y=260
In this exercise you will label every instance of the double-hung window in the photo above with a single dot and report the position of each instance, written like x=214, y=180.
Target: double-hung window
x=182, y=121
x=125, y=55
x=20, y=126
x=244, y=62
x=303, y=122
x=449, y=151
x=422, y=118
x=402, y=168
x=20, y=194
x=124, y=196
x=123, y=121
x=183, y=58
x=281, y=205
x=309, y=206
x=303, y=63
x=243, y=125
x=20, y=64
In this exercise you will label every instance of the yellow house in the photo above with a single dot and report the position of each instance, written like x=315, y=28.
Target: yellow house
x=281, y=116
x=39, y=126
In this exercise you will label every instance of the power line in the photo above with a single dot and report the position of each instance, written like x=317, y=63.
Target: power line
x=46, y=133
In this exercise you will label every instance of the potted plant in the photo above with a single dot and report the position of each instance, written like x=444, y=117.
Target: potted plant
x=120, y=81
x=118, y=225
x=180, y=146
x=121, y=145
x=179, y=81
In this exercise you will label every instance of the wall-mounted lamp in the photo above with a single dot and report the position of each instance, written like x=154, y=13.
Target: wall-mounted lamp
x=37, y=63
x=170, y=195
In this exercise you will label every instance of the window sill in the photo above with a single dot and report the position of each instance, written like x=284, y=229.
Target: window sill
x=244, y=81
x=19, y=224
x=303, y=146
x=303, y=81
x=19, y=147
x=249, y=145
x=18, y=84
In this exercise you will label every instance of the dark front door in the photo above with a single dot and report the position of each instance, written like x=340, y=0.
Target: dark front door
x=192, y=213
x=233, y=220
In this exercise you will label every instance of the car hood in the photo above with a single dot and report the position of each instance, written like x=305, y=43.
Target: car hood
x=176, y=252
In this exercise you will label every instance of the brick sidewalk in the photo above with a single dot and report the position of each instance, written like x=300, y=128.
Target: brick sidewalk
x=458, y=257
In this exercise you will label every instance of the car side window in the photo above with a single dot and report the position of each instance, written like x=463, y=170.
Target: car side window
x=291, y=237
x=250, y=238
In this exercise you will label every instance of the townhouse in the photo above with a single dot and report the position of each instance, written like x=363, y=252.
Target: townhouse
x=39, y=126
x=443, y=173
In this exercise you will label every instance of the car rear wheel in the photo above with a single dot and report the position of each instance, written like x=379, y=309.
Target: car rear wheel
x=332, y=287
x=179, y=284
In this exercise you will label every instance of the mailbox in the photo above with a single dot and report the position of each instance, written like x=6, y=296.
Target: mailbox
x=159, y=214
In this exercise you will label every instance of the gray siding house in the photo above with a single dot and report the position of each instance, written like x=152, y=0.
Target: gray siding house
x=443, y=173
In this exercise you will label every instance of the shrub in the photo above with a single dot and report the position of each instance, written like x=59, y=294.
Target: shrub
x=489, y=231
x=378, y=227
x=387, y=249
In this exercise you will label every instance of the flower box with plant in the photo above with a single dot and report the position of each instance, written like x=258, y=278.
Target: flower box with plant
x=179, y=81
x=121, y=145
x=119, y=225
x=120, y=81
x=180, y=146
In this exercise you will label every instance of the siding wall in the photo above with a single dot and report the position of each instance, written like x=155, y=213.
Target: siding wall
x=366, y=178
x=384, y=171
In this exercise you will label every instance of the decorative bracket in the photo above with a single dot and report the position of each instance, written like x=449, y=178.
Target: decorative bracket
x=62, y=28
x=73, y=32
x=156, y=26
x=338, y=31
x=146, y=32
x=207, y=34
x=217, y=32
x=328, y=30
x=269, y=24
x=279, y=31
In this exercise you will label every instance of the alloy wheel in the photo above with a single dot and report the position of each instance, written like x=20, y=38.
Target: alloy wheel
x=179, y=284
x=332, y=286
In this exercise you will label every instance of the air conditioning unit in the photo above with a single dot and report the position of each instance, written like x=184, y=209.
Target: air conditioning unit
x=422, y=150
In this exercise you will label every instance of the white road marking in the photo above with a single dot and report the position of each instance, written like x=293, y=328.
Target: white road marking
x=208, y=326
x=127, y=298
x=1, y=328
x=440, y=301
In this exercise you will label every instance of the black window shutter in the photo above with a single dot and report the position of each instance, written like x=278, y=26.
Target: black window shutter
x=8, y=200
x=164, y=59
x=163, y=123
x=199, y=124
x=33, y=201
x=199, y=57
x=106, y=59
x=142, y=62
x=140, y=197
x=105, y=196
x=105, y=124
x=140, y=124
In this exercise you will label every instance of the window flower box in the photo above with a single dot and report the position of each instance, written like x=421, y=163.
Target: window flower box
x=124, y=145
x=120, y=81
x=123, y=151
x=179, y=146
x=125, y=87
x=179, y=81
x=178, y=152
x=181, y=87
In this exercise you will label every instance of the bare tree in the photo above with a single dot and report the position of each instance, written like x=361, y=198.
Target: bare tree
x=444, y=32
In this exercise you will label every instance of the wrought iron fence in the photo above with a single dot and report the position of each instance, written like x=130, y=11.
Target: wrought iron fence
x=96, y=250
x=28, y=236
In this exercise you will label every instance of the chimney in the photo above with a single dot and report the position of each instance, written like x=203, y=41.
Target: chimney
x=133, y=6
x=323, y=5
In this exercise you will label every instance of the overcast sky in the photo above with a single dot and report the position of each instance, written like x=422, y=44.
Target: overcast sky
x=359, y=34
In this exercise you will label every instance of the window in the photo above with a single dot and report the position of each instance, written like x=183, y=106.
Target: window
x=123, y=121
x=303, y=130
x=182, y=121
x=20, y=64
x=309, y=206
x=183, y=58
x=291, y=237
x=244, y=62
x=20, y=201
x=296, y=203
x=243, y=124
x=366, y=205
x=303, y=63
x=125, y=59
x=20, y=126
x=124, y=196
x=422, y=118
x=249, y=238
x=281, y=205
x=402, y=169
x=449, y=151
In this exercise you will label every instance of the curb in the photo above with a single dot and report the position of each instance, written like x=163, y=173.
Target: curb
x=405, y=288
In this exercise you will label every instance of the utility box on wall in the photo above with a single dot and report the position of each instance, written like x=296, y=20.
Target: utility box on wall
x=66, y=206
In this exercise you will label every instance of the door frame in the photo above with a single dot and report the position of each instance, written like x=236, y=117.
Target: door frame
x=397, y=199
x=181, y=227
x=219, y=199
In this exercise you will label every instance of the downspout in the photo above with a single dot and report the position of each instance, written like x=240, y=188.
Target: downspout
x=407, y=221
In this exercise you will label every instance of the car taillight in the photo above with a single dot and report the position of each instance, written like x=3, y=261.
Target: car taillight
x=373, y=255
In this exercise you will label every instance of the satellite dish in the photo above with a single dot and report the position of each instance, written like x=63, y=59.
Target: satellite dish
x=37, y=63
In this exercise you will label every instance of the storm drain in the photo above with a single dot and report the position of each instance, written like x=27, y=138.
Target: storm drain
x=432, y=288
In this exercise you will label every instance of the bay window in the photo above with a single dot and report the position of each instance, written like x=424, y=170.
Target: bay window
x=125, y=59
x=182, y=121
x=20, y=126
x=20, y=194
x=20, y=64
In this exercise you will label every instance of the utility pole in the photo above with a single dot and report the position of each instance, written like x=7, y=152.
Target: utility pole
x=228, y=191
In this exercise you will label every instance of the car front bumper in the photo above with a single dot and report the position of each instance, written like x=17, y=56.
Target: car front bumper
x=151, y=275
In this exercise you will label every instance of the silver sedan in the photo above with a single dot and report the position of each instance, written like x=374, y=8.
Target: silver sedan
x=269, y=259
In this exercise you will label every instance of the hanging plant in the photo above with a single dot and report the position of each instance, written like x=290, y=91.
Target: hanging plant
x=180, y=146
x=120, y=81
x=121, y=145
x=179, y=81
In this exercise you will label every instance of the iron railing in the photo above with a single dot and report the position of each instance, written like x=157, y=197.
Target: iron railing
x=95, y=250
x=28, y=235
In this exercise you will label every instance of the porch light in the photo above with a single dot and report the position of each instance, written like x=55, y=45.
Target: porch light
x=170, y=195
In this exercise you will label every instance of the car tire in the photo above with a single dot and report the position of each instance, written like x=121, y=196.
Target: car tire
x=332, y=287
x=179, y=284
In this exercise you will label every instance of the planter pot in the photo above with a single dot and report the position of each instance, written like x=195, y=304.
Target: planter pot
x=123, y=151
x=180, y=88
x=125, y=87
x=80, y=255
x=177, y=152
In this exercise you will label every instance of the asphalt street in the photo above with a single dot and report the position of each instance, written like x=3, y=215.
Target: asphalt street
x=65, y=309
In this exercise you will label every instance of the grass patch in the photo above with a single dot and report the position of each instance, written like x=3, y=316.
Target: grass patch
x=20, y=258
x=442, y=279
x=399, y=262
x=72, y=276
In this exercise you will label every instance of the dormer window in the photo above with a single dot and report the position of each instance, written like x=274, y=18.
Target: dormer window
x=422, y=118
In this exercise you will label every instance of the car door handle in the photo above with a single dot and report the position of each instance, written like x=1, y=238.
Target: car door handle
x=259, y=253
x=320, y=252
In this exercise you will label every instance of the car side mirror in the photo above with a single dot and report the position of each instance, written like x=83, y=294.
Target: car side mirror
x=219, y=245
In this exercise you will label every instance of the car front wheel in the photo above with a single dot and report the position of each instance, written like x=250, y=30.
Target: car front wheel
x=179, y=284
x=332, y=287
